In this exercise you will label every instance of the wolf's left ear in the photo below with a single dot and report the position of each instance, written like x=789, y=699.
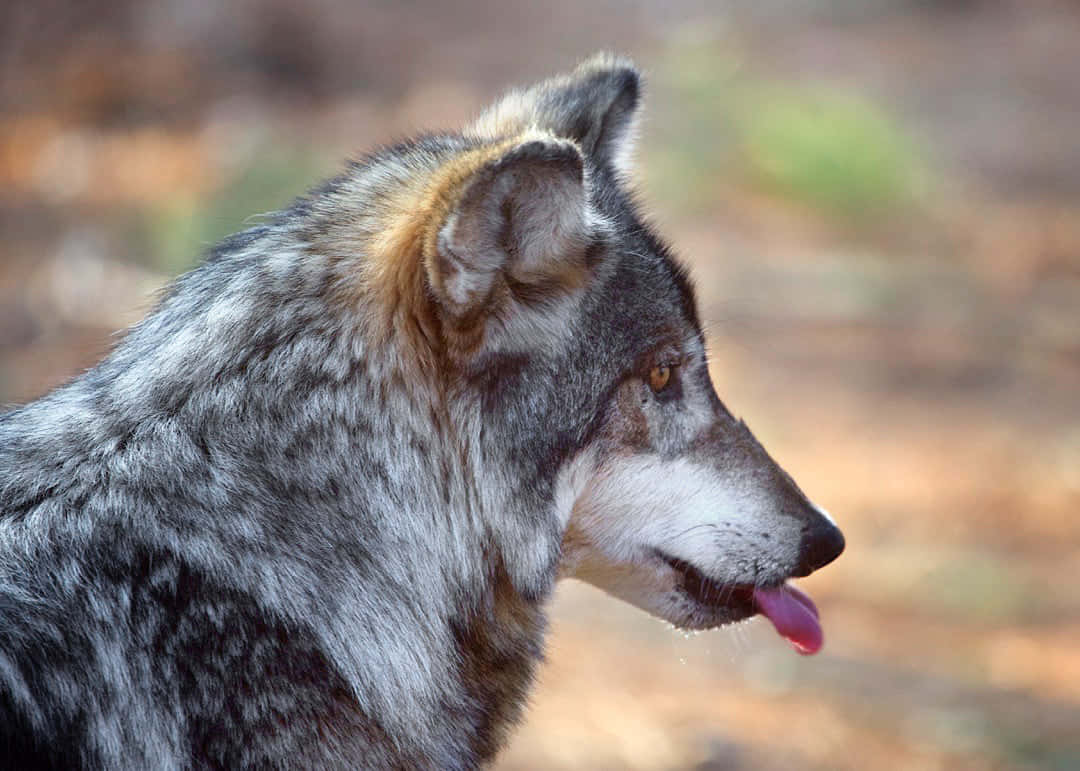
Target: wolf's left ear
x=596, y=105
x=521, y=217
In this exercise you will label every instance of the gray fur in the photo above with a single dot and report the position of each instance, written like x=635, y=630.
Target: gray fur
x=255, y=536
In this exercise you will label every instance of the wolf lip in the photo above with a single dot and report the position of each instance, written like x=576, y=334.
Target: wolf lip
x=737, y=598
x=790, y=610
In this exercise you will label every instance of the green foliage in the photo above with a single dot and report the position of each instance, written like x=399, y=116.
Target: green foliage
x=823, y=147
x=829, y=149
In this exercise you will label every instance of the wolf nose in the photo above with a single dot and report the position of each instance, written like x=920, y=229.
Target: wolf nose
x=821, y=544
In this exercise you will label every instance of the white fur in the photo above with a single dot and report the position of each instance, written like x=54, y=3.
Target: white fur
x=638, y=507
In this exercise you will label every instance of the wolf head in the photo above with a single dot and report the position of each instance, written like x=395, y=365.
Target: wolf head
x=510, y=264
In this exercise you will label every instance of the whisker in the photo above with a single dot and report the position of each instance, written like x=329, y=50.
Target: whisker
x=692, y=528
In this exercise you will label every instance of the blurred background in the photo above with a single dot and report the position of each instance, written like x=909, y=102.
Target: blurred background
x=880, y=201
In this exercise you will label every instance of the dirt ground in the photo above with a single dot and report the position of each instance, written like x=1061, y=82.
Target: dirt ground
x=915, y=365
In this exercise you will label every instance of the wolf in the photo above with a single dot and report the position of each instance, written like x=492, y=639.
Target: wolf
x=309, y=511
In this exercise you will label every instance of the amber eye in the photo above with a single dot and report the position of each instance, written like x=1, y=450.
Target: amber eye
x=659, y=378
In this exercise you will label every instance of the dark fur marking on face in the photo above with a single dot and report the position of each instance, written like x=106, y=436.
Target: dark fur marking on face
x=497, y=378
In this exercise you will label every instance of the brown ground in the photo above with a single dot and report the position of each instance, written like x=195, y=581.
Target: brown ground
x=919, y=373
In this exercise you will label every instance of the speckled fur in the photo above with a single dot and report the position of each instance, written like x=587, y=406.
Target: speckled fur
x=308, y=512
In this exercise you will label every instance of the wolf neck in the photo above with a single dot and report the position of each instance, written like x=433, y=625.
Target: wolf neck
x=445, y=628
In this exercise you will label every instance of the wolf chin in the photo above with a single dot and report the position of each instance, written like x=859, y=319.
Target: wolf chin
x=309, y=511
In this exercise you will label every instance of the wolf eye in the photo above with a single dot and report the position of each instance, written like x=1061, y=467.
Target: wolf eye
x=659, y=378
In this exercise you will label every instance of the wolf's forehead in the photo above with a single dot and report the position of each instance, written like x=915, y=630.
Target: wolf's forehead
x=648, y=269
x=647, y=298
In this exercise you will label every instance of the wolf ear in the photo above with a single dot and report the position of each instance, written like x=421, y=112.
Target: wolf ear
x=596, y=105
x=522, y=216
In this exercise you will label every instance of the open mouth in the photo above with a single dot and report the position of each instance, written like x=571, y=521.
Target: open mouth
x=738, y=599
x=790, y=610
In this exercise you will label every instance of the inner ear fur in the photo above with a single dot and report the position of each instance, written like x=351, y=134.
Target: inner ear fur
x=521, y=219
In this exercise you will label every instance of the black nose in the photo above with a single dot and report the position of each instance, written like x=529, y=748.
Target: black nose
x=822, y=542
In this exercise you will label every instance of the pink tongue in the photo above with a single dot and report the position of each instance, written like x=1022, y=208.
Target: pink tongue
x=793, y=614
